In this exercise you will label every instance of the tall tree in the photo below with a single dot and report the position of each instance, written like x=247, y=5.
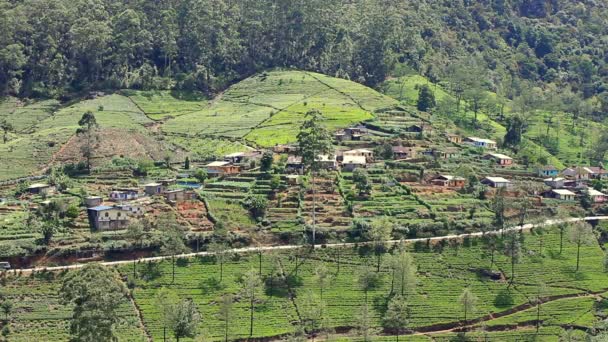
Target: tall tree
x=220, y=253
x=96, y=293
x=380, y=230
x=581, y=234
x=362, y=182
x=6, y=128
x=185, y=319
x=7, y=308
x=364, y=322
x=226, y=313
x=397, y=315
x=313, y=140
x=251, y=287
x=166, y=300
x=467, y=301
x=513, y=251
x=426, y=98
x=323, y=278
x=368, y=280
x=88, y=125
x=173, y=242
x=404, y=272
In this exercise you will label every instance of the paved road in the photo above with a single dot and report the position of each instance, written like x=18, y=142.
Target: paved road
x=525, y=227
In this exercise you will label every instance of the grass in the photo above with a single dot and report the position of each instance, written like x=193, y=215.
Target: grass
x=259, y=107
x=441, y=278
x=405, y=89
x=37, y=310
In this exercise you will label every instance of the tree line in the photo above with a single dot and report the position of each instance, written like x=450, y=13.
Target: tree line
x=58, y=47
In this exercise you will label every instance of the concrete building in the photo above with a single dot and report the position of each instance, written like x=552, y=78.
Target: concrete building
x=154, y=188
x=555, y=183
x=102, y=218
x=481, y=143
x=500, y=159
x=327, y=162
x=93, y=201
x=360, y=152
x=496, y=182
x=39, y=189
x=454, y=138
x=448, y=181
x=220, y=168
x=596, y=196
x=350, y=163
x=124, y=195
x=547, y=171
x=563, y=194
x=350, y=134
x=400, y=152
x=294, y=164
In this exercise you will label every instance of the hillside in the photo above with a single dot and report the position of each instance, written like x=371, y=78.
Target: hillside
x=291, y=295
x=262, y=110
x=269, y=108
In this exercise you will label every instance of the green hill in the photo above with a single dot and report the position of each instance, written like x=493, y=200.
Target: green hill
x=268, y=109
x=262, y=110
x=567, y=149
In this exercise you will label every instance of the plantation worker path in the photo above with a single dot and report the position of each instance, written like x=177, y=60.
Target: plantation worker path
x=525, y=227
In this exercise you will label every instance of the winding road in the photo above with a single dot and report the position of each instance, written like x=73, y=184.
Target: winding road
x=524, y=227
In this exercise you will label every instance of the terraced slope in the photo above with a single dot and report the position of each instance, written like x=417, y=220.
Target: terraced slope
x=268, y=108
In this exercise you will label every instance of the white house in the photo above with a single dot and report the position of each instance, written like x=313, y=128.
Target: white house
x=349, y=163
x=496, y=182
x=596, y=196
x=480, y=142
x=360, y=152
x=563, y=194
x=555, y=183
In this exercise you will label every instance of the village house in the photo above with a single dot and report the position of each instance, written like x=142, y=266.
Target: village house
x=596, y=196
x=555, y=182
x=93, y=201
x=350, y=163
x=153, y=188
x=327, y=162
x=562, y=194
x=496, y=182
x=292, y=179
x=578, y=173
x=500, y=159
x=349, y=134
x=548, y=171
x=220, y=168
x=597, y=172
x=454, y=138
x=482, y=143
x=242, y=157
x=285, y=148
x=446, y=153
x=448, y=181
x=400, y=152
x=178, y=195
x=294, y=164
x=360, y=152
x=124, y=194
x=102, y=218
x=39, y=189
x=416, y=128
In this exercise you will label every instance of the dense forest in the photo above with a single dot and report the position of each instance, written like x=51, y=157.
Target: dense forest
x=58, y=47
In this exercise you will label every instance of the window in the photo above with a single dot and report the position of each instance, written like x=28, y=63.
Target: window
x=118, y=215
x=107, y=214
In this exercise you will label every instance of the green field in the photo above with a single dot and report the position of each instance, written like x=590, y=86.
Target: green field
x=267, y=109
x=570, y=298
